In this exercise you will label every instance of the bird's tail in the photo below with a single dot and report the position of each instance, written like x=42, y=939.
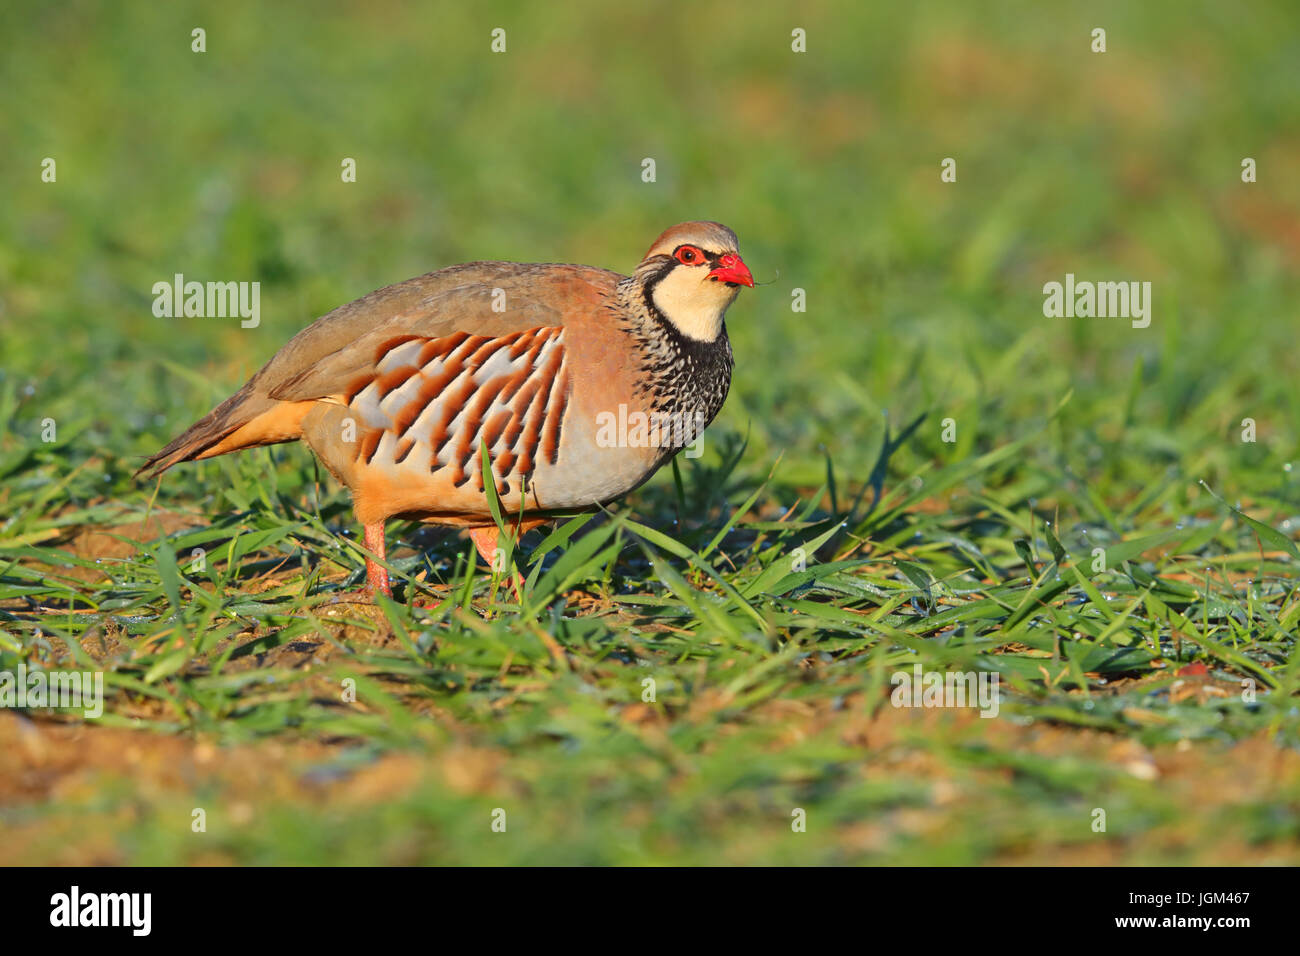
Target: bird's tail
x=244, y=420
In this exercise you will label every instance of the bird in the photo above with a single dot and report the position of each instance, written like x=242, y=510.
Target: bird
x=575, y=382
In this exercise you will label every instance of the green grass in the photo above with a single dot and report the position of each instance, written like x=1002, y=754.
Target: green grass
x=770, y=665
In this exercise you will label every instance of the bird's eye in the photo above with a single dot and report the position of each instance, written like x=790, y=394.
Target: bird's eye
x=689, y=255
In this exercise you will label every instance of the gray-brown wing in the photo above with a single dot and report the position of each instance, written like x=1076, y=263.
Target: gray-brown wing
x=483, y=299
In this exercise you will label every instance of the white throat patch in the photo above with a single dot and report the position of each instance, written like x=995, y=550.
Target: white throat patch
x=693, y=304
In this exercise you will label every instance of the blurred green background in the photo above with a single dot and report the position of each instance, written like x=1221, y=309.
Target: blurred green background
x=923, y=297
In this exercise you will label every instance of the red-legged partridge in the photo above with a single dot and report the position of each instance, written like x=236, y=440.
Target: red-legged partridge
x=547, y=366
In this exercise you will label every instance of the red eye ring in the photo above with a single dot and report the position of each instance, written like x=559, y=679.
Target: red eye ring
x=689, y=256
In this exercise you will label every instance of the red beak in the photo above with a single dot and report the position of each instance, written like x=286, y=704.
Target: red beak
x=732, y=270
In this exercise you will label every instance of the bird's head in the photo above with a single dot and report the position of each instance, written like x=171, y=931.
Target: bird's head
x=691, y=274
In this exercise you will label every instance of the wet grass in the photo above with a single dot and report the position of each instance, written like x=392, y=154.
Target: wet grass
x=688, y=671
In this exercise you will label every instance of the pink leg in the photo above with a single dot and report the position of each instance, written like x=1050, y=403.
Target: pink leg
x=485, y=540
x=376, y=574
